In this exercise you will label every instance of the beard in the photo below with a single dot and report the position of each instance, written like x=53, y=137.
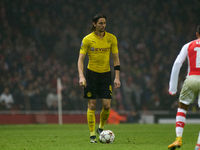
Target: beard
x=101, y=30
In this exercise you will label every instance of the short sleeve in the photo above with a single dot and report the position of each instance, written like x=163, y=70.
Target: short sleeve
x=114, y=46
x=84, y=46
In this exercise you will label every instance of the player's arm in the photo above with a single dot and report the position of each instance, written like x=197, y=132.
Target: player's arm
x=115, y=53
x=176, y=69
x=82, y=53
x=117, y=82
x=82, y=80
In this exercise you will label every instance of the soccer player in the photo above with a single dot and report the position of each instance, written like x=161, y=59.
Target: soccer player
x=190, y=89
x=97, y=83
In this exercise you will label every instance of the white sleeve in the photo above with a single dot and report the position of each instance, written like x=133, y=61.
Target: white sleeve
x=176, y=69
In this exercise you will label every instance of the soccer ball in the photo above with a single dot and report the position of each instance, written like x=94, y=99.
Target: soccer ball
x=106, y=136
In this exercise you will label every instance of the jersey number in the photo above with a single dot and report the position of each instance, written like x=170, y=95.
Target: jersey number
x=198, y=57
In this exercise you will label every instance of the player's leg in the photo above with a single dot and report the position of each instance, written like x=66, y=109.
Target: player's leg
x=105, y=112
x=91, y=119
x=104, y=92
x=180, y=123
x=90, y=93
x=188, y=93
x=180, y=119
x=198, y=140
x=198, y=143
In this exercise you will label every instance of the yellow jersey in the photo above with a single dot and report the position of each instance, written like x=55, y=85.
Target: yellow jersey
x=99, y=51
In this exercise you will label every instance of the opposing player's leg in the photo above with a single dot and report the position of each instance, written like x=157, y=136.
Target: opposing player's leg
x=187, y=96
x=180, y=123
x=105, y=112
x=176, y=144
x=197, y=147
x=91, y=119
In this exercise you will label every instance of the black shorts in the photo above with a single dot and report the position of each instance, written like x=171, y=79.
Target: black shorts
x=99, y=85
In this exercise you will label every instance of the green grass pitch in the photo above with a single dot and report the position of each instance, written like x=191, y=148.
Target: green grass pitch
x=76, y=137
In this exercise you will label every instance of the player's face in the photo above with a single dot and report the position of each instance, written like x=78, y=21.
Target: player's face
x=100, y=25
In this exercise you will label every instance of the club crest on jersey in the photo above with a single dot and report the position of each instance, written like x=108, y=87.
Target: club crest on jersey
x=109, y=41
x=92, y=49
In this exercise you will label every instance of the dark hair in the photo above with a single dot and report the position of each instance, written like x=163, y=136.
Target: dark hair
x=95, y=19
x=198, y=29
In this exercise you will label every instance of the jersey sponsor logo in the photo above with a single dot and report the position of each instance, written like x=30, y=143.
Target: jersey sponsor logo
x=102, y=49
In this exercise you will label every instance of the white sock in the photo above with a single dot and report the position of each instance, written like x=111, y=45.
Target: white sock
x=198, y=141
x=180, y=121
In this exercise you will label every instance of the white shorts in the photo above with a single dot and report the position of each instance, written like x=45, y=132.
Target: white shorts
x=190, y=90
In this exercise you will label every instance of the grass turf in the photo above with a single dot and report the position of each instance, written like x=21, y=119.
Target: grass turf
x=76, y=137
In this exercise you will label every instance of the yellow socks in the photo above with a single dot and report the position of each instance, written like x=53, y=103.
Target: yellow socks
x=91, y=121
x=104, y=117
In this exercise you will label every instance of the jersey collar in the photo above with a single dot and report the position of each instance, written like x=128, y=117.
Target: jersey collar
x=98, y=36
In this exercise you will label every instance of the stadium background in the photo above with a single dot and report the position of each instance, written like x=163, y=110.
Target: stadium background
x=40, y=41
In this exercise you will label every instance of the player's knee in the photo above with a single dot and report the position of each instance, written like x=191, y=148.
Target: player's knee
x=107, y=107
x=183, y=106
x=92, y=106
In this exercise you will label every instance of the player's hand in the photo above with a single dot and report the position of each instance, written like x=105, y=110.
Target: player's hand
x=172, y=93
x=82, y=82
x=117, y=83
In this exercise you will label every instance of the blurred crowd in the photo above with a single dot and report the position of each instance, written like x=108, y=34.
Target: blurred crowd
x=40, y=41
